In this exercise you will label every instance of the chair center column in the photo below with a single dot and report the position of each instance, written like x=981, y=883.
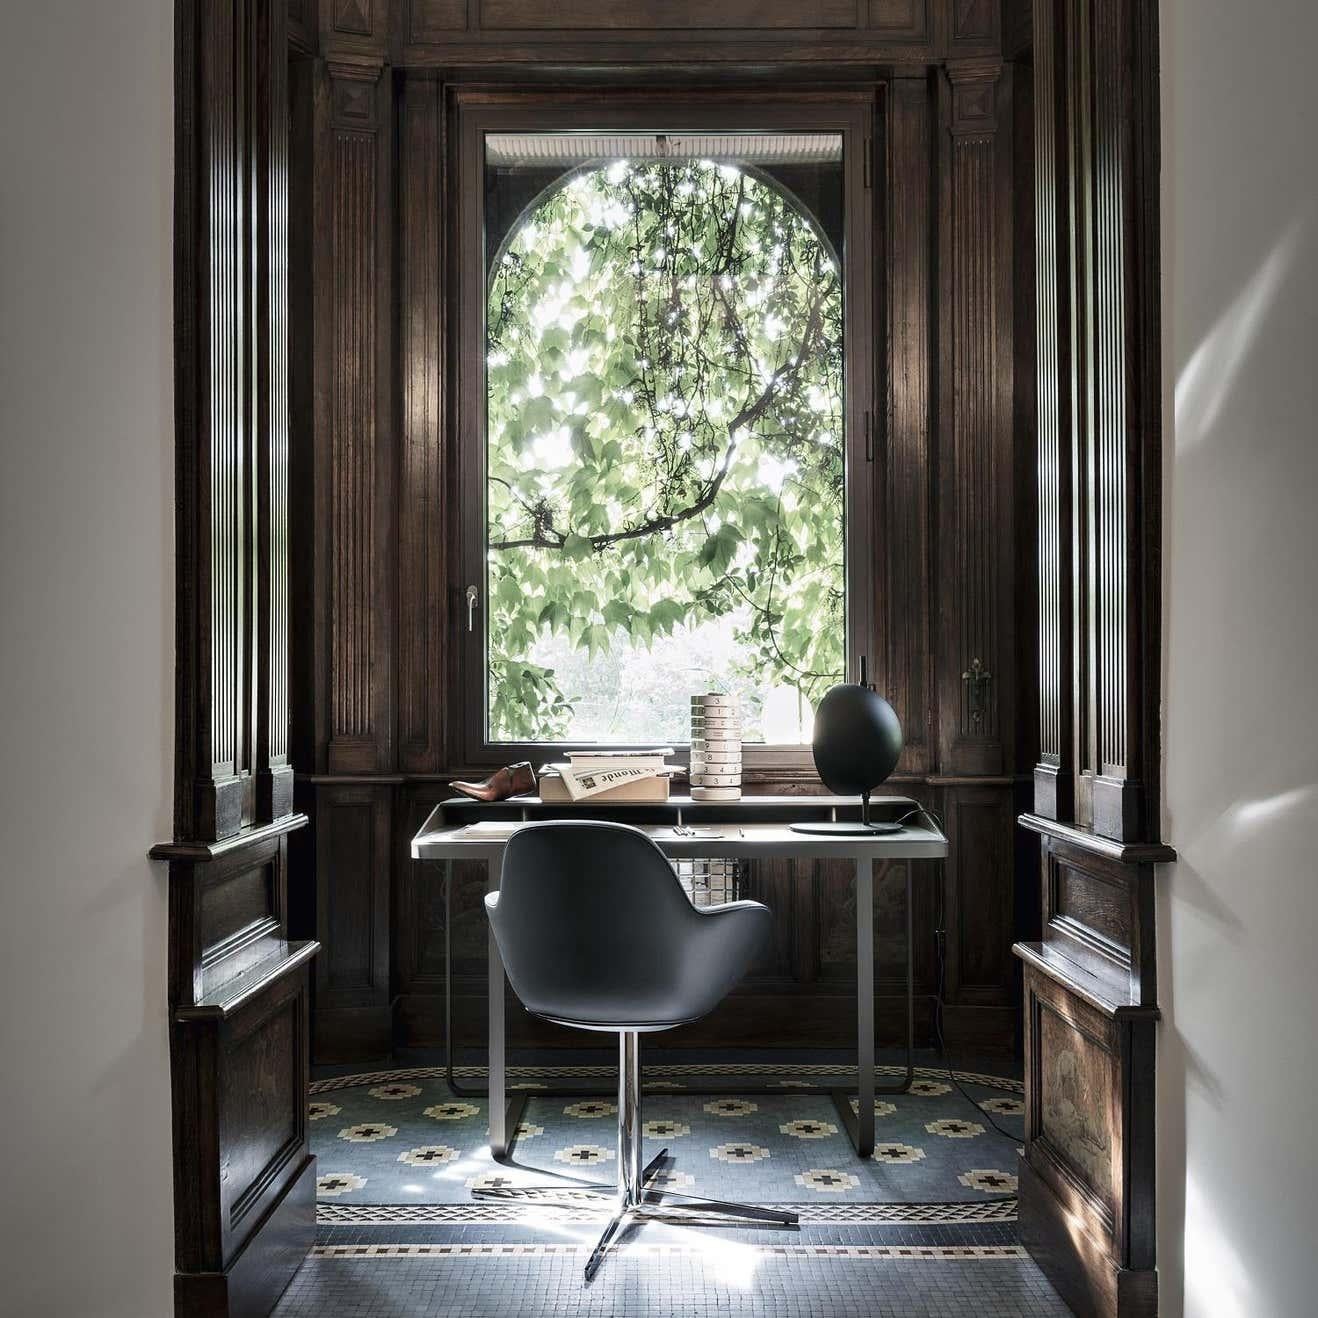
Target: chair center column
x=629, y=1117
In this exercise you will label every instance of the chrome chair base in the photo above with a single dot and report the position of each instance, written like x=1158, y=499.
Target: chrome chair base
x=636, y=1198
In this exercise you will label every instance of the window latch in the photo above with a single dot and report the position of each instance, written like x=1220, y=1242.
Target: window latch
x=472, y=596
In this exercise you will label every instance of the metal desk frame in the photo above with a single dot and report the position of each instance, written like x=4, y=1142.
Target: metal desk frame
x=439, y=840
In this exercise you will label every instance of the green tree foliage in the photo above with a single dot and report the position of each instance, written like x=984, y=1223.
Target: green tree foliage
x=664, y=430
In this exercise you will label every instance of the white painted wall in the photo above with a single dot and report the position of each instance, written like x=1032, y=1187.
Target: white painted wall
x=86, y=656
x=1238, y=916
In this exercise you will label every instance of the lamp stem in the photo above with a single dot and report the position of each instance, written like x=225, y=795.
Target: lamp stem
x=865, y=809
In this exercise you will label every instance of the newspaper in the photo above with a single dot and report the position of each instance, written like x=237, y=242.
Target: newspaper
x=583, y=783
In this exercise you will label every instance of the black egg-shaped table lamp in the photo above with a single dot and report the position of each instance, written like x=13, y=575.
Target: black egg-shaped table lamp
x=857, y=742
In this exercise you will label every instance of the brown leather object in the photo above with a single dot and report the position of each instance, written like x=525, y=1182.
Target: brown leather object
x=512, y=780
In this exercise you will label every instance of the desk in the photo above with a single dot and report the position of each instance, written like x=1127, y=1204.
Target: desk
x=753, y=828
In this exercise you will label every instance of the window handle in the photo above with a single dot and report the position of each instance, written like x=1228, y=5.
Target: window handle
x=472, y=596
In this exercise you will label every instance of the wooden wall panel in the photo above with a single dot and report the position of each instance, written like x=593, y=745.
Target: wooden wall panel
x=979, y=881
x=353, y=864
x=908, y=365
x=302, y=25
x=908, y=20
x=975, y=24
x=433, y=20
x=657, y=14
x=353, y=434
x=423, y=519
x=449, y=34
x=1086, y=1175
x=975, y=459
x=238, y=990
x=1124, y=335
x=274, y=771
x=1096, y=207
x=232, y=420
x=1054, y=773
x=262, y=1109
x=211, y=402
x=1087, y=1180
x=352, y=17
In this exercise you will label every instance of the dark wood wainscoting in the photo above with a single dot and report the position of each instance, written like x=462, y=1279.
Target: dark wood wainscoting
x=244, y=1176
x=239, y=990
x=1087, y=1175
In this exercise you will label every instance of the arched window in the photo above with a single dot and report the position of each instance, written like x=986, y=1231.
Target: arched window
x=664, y=459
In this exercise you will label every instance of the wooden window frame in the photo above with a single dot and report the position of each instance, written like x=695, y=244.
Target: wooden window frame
x=854, y=114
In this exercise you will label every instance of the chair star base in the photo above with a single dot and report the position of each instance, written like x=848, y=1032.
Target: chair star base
x=635, y=1196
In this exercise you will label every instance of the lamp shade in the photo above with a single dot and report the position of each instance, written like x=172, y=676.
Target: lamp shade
x=857, y=739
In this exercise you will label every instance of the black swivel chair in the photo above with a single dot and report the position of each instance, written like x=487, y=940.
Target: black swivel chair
x=596, y=932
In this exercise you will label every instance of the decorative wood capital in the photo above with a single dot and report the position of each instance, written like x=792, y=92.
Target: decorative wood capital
x=353, y=80
x=974, y=97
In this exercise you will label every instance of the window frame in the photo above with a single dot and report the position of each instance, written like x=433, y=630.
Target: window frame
x=853, y=115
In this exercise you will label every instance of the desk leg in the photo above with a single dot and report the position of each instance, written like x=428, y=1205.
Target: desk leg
x=498, y=1068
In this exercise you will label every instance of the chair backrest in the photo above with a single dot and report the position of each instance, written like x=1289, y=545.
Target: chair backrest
x=596, y=931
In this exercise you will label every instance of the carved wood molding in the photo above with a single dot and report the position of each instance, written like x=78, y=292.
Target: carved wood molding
x=454, y=33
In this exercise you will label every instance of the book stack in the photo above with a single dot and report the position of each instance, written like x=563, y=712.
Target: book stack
x=604, y=776
x=715, y=748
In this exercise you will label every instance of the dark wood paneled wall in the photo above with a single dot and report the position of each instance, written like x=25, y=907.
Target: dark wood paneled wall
x=239, y=990
x=1099, y=410
x=1087, y=1182
x=375, y=504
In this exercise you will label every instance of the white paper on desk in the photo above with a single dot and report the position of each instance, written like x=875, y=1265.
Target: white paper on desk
x=488, y=830
x=582, y=784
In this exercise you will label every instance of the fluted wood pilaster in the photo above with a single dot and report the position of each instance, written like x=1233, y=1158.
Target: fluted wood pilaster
x=274, y=771
x=231, y=283
x=354, y=460
x=423, y=517
x=1054, y=773
x=905, y=632
x=973, y=588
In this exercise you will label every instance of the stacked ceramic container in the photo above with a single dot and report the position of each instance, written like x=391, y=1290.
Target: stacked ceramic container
x=715, y=748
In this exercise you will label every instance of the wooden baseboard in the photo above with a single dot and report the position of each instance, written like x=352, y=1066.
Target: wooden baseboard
x=1078, y=1266
x=252, y=1284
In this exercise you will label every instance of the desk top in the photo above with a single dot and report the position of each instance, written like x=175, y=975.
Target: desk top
x=721, y=830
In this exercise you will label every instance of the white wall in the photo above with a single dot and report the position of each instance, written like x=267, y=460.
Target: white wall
x=1238, y=1061
x=86, y=656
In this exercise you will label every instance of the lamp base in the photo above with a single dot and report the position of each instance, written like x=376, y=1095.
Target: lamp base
x=846, y=828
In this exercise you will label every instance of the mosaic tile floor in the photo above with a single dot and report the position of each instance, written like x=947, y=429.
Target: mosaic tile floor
x=402, y=1138
x=639, y=1284
x=926, y=1227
